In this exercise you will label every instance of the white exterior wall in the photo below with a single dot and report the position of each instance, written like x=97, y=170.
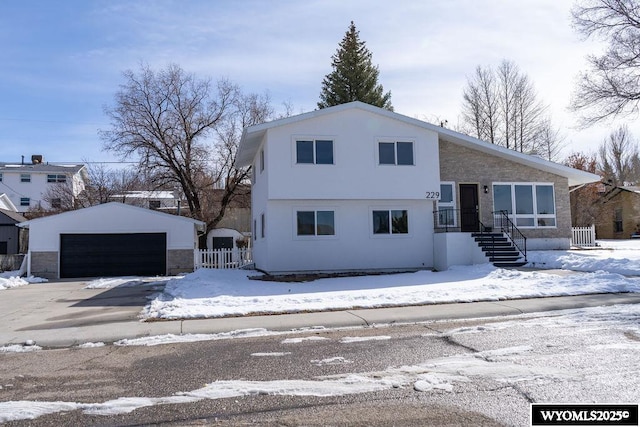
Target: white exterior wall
x=352, y=187
x=35, y=189
x=355, y=173
x=354, y=246
x=44, y=233
x=456, y=249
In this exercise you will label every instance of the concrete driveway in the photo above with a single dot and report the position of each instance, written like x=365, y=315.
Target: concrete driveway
x=37, y=311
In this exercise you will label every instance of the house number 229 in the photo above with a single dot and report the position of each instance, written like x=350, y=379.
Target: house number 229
x=433, y=195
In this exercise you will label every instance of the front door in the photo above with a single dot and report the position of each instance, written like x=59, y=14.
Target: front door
x=469, y=207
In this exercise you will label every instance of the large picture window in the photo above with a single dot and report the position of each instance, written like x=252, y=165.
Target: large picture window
x=390, y=222
x=316, y=151
x=395, y=153
x=527, y=204
x=315, y=223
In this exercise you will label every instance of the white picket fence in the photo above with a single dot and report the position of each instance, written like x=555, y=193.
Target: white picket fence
x=222, y=258
x=584, y=237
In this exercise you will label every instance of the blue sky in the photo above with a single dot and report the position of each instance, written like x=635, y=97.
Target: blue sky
x=62, y=61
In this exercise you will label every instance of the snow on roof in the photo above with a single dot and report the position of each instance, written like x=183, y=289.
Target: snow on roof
x=146, y=194
x=253, y=135
x=40, y=167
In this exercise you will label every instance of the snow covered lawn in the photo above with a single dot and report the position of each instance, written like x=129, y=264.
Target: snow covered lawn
x=218, y=293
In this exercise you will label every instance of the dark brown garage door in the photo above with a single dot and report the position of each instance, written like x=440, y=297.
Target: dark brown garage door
x=100, y=255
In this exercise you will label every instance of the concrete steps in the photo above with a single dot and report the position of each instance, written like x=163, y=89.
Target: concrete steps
x=501, y=252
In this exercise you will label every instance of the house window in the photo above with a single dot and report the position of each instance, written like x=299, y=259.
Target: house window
x=262, y=225
x=617, y=221
x=315, y=223
x=395, y=153
x=56, y=203
x=529, y=205
x=317, y=151
x=390, y=222
x=0, y=176
x=154, y=204
x=25, y=177
x=56, y=178
x=255, y=230
x=25, y=201
x=261, y=160
x=447, y=204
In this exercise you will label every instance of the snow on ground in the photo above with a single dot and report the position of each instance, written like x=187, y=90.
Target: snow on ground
x=112, y=282
x=10, y=279
x=508, y=365
x=219, y=293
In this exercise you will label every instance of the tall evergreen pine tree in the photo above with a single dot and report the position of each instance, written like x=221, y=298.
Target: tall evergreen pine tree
x=354, y=77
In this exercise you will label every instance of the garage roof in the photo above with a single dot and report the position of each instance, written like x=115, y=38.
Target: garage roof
x=200, y=225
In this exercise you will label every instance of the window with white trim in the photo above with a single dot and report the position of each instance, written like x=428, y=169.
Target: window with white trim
x=314, y=151
x=395, y=153
x=25, y=201
x=390, y=221
x=262, y=225
x=447, y=204
x=261, y=160
x=315, y=223
x=56, y=178
x=529, y=205
x=0, y=176
x=25, y=177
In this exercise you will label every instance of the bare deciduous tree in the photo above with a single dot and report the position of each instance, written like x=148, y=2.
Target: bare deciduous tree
x=185, y=131
x=585, y=201
x=502, y=107
x=618, y=158
x=101, y=186
x=612, y=85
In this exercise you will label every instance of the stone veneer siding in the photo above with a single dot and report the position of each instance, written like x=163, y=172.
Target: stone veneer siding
x=467, y=166
x=180, y=261
x=44, y=264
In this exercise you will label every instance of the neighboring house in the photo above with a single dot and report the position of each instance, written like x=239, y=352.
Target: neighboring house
x=356, y=187
x=112, y=239
x=157, y=199
x=26, y=183
x=619, y=216
x=10, y=234
x=234, y=229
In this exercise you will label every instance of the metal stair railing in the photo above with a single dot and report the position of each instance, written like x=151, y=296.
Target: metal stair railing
x=519, y=240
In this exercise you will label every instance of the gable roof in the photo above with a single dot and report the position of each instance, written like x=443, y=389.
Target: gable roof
x=253, y=135
x=97, y=209
x=40, y=168
x=13, y=215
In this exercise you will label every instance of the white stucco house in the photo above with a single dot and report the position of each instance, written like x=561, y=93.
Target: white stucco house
x=112, y=239
x=26, y=183
x=356, y=187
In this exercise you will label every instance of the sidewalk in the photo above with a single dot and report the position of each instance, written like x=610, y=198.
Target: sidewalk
x=64, y=314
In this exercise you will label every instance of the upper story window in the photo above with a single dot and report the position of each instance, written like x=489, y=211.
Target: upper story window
x=395, y=153
x=527, y=204
x=390, y=222
x=315, y=223
x=25, y=177
x=316, y=151
x=25, y=201
x=0, y=176
x=56, y=178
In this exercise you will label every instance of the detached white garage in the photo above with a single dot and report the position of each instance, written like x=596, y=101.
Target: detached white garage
x=112, y=239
